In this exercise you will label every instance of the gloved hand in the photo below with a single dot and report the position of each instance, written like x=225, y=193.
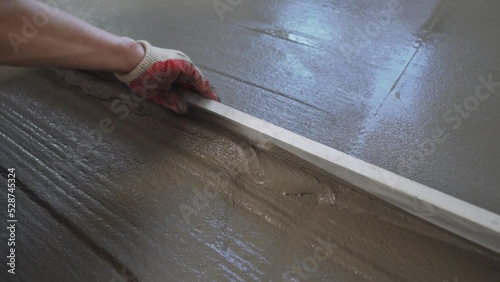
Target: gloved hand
x=159, y=70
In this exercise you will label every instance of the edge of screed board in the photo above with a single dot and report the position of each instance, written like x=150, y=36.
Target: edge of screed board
x=464, y=219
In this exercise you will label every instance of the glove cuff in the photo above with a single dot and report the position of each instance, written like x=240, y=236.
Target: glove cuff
x=149, y=59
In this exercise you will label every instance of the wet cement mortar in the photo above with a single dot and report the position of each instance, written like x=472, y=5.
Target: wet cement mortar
x=373, y=79
x=163, y=197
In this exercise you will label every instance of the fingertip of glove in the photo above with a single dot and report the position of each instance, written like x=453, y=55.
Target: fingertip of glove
x=214, y=96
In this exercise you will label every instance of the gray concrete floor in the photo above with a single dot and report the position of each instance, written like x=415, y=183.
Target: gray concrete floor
x=385, y=81
x=171, y=198
x=113, y=212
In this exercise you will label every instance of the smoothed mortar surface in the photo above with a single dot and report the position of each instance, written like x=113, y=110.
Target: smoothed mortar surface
x=374, y=79
x=170, y=198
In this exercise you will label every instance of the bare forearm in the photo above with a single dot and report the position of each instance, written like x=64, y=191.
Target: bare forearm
x=33, y=34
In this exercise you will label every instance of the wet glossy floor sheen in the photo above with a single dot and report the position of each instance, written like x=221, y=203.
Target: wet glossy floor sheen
x=390, y=82
x=403, y=85
x=169, y=198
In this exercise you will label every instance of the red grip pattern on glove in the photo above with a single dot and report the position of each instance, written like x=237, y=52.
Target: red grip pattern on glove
x=161, y=76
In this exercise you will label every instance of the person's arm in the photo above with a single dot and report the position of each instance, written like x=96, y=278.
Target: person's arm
x=34, y=34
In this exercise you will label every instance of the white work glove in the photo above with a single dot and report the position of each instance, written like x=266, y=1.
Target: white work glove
x=159, y=70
